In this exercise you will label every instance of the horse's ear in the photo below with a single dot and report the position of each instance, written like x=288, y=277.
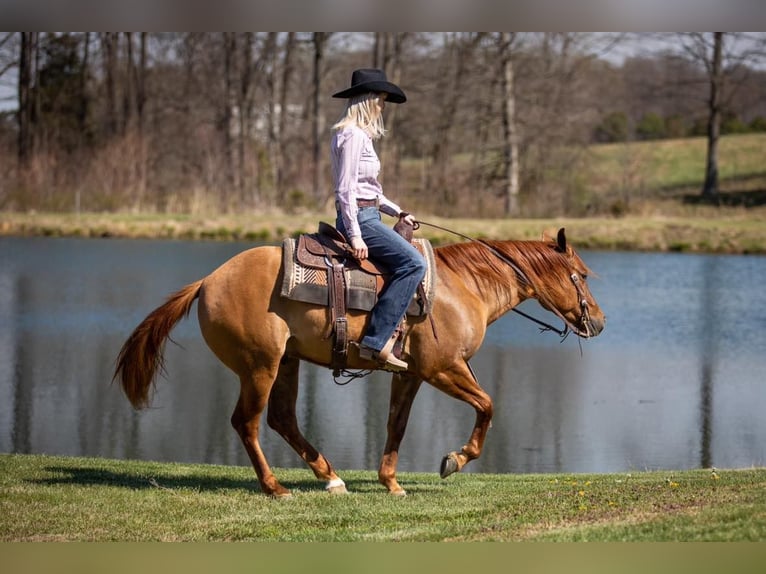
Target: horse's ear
x=561, y=240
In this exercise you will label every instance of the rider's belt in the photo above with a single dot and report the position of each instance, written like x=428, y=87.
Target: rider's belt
x=368, y=202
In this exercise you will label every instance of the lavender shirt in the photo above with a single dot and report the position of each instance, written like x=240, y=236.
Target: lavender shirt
x=355, y=169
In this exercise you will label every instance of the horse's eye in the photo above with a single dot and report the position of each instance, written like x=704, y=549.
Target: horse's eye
x=584, y=276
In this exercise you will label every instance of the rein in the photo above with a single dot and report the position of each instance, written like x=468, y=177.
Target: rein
x=563, y=333
x=521, y=275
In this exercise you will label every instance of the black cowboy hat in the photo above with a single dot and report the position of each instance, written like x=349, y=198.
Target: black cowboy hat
x=372, y=80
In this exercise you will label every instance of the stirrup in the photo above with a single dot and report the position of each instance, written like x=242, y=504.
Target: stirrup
x=385, y=357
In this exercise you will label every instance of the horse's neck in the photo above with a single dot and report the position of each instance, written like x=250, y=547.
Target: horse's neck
x=501, y=297
x=499, y=292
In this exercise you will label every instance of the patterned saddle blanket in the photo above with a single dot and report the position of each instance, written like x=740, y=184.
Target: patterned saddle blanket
x=307, y=265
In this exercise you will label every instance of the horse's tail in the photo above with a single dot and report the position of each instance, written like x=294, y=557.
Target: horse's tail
x=141, y=356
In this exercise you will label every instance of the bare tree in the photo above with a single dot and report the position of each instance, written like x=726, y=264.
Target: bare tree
x=227, y=112
x=510, y=129
x=228, y=109
x=317, y=121
x=244, y=116
x=129, y=91
x=140, y=81
x=390, y=60
x=8, y=59
x=710, y=187
x=724, y=57
x=109, y=59
x=27, y=58
x=460, y=51
x=287, y=73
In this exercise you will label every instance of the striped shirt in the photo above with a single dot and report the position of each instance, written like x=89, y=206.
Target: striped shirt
x=355, y=169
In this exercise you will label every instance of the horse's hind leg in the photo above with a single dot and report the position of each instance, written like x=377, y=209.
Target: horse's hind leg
x=281, y=417
x=254, y=392
x=403, y=391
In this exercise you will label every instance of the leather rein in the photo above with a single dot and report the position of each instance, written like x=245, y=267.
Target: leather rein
x=563, y=333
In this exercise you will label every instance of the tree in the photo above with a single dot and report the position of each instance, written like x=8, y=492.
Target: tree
x=287, y=73
x=109, y=58
x=388, y=56
x=510, y=129
x=715, y=71
x=28, y=48
x=651, y=126
x=724, y=58
x=460, y=50
x=613, y=128
x=317, y=119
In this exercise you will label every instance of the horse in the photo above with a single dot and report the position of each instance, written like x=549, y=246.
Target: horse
x=262, y=337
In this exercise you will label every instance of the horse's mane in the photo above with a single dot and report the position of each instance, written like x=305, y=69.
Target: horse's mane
x=536, y=259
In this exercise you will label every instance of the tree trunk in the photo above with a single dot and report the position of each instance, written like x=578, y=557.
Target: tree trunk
x=710, y=187
x=287, y=72
x=320, y=41
x=244, y=108
x=140, y=89
x=376, y=49
x=389, y=147
x=25, y=97
x=510, y=131
x=128, y=94
x=229, y=48
x=109, y=55
x=141, y=84
x=84, y=107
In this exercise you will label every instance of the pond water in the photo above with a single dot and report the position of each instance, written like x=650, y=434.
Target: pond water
x=675, y=381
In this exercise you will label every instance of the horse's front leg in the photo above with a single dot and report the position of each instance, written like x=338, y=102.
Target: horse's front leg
x=404, y=387
x=460, y=383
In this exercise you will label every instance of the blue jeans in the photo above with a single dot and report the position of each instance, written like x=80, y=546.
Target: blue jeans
x=405, y=265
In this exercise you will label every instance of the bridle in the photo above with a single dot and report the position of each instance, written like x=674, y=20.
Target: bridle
x=584, y=309
x=563, y=333
x=583, y=329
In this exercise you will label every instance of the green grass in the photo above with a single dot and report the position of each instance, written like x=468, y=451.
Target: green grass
x=668, y=164
x=59, y=498
x=730, y=231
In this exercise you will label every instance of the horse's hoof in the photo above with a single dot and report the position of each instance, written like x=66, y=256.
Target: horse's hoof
x=401, y=492
x=340, y=489
x=336, y=486
x=281, y=495
x=449, y=465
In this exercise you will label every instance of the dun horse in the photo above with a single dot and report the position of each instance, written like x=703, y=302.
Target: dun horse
x=262, y=337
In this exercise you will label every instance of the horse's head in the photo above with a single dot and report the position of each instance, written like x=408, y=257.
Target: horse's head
x=568, y=295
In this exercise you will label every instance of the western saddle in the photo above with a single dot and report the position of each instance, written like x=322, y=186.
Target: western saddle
x=328, y=249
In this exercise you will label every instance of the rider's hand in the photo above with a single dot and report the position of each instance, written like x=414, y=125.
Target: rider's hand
x=359, y=248
x=410, y=219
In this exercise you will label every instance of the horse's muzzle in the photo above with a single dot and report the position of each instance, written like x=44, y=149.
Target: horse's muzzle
x=594, y=326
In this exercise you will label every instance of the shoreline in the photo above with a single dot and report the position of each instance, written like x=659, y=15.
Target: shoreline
x=739, y=233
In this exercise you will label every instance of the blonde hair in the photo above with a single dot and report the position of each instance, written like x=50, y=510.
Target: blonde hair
x=362, y=111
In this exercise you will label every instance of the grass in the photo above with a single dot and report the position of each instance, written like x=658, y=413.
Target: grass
x=669, y=164
x=733, y=232
x=45, y=498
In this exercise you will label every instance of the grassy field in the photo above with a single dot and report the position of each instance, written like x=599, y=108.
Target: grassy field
x=661, y=166
x=64, y=499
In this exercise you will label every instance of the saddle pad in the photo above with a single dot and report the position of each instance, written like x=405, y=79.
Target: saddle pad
x=309, y=285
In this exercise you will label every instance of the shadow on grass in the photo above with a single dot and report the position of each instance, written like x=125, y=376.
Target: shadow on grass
x=94, y=476
x=733, y=198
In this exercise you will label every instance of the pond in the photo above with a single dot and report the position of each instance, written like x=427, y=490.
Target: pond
x=675, y=381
